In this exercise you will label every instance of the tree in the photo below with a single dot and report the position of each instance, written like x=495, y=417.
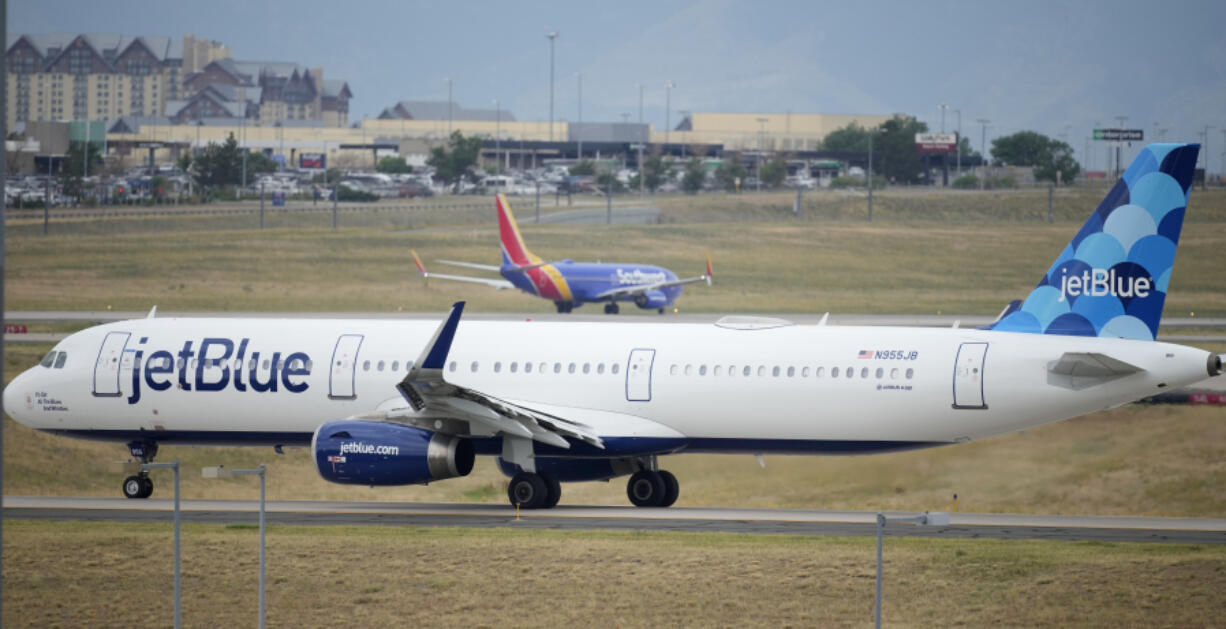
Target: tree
x=73, y=173
x=694, y=176
x=730, y=171
x=456, y=160
x=774, y=172
x=894, y=153
x=852, y=138
x=584, y=167
x=655, y=170
x=259, y=164
x=1056, y=164
x=393, y=166
x=1024, y=148
x=219, y=164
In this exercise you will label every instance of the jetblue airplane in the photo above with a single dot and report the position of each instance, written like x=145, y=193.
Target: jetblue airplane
x=571, y=284
x=396, y=402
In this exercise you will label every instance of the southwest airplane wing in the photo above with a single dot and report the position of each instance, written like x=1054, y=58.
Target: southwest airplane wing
x=499, y=284
x=639, y=289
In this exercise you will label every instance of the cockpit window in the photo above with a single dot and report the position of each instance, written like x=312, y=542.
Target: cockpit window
x=59, y=360
x=48, y=360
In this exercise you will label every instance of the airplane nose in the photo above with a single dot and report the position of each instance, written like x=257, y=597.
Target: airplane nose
x=15, y=397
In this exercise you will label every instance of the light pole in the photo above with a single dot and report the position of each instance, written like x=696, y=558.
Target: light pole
x=1119, y=144
x=684, y=113
x=871, y=132
x=668, y=103
x=244, y=133
x=552, y=36
x=959, y=166
x=281, y=139
x=983, y=151
x=579, y=129
x=761, y=150
x=224, y=472
x=1204, y=181
x=449, y=81
x=498, y=135
x=641, y=103
x=943, y=108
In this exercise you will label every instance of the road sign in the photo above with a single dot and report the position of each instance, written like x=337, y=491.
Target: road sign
x=1120, y=135
x=936, y=142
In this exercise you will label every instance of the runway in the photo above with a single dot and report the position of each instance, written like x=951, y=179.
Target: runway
x=577, y=517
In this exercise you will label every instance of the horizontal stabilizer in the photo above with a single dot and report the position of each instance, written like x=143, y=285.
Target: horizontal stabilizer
x=1082, y=370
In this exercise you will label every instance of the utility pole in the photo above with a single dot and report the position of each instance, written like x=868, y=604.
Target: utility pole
x=449, y=81
x=552, y=35
x=641, y=103
x=498, y=135
x=668, y=104
x=959, y=167
x=983, y=151
x=579, y=130
x=1119, y=145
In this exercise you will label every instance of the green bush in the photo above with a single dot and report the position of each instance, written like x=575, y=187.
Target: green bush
x=966, y=182
x=840, y=183
x=345, y=193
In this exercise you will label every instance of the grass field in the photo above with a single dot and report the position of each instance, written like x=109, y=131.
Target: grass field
x=118, y=575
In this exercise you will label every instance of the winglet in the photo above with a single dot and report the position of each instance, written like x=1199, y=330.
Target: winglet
x=427, y=371
x=152, y=312
x=416, y=260
x=710, y=273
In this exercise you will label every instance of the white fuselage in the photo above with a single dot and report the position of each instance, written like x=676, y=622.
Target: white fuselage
x=711, y=387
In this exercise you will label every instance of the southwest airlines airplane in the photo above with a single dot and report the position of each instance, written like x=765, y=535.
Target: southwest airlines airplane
x=398, y=402
x=571, y=284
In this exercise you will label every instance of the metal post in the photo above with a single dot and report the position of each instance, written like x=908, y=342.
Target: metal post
x=47, y=199
x=498, y=136
x=870, y=176
x=959, y=112
x=261, y=204
x=552, y=36
x=538, y=201
x=244, y=151
x=983, y=152
x=877, y=598
x=336, y=197
x=608, y=212
x=1051, y=193
x=3, y=217
x=799, y=200
x=174, y=465
x=262, y=521
x=668, y=95
x=642, y=175
x=579, y=131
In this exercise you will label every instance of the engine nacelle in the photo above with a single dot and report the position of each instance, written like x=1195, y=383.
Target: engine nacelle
x=651, y=300
x=356, y=452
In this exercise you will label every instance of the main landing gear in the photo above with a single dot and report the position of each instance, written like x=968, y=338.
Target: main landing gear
x=648, y=487
x=611, y=308
x=139, y=485
x=564, y=306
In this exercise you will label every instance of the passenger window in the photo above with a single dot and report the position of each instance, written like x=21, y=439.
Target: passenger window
x=408, y=364
x=834, y=372
x=910, y=372
x=761, y=370
x=616, y=368
x=498, y=367
x=541, y=369
x=266, y=363
x=702, y=370
x=557, y=367
x=587, y=367
x=473, y=367
x=716, y=369
x=894, y=373
x=395, y=365
x=366, y=366
x=600, y=368
x=775, y=371
x=570, y=368
x=791, y=371
x=864, y=372
x=59, y=360
x=381, y=363
x=527, y=367
x=880, y=373
x=451, y=367
x=850, y=372
x=689, y=369
x=820, y=372
x=514, y=366
x=804, y=372
x=746, y=371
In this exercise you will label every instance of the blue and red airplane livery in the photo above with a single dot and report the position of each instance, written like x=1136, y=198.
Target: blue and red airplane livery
x=569, y=284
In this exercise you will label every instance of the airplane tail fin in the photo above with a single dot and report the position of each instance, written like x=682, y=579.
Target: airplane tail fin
x=514, y=251
x=1111, y=279
x=710, y=273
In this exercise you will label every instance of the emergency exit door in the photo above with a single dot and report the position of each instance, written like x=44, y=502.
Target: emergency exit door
x=107, y=367
x=638, y=375
x=343, y=370
x=968, y=376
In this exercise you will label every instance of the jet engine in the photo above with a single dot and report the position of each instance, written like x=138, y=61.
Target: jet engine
x=651, y=300
x=357, y=452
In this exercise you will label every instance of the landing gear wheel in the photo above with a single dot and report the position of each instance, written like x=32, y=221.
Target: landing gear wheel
x=148, y=490
x=564, y=306
x=611, y=308
x=661, y=311
x=645, y=489
x=134, y=487
x=553, y=491
x=528, y=490
x=672, y=489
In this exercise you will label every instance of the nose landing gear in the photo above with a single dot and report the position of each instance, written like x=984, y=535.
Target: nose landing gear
x=140, y=485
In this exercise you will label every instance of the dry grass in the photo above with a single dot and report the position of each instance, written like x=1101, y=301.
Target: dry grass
x=118, y=575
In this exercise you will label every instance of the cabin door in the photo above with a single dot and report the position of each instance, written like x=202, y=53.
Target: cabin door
x=638, y=375
x=109, y=364
x=968, y=376
x=344, y=367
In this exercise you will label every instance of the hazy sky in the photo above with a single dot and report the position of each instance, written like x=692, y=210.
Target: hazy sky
x=1053, y=67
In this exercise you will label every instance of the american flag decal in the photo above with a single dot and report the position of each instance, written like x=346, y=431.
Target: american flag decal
x=866, y=353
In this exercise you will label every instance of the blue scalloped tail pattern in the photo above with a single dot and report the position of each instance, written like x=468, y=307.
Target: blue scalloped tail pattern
x=1111, y=280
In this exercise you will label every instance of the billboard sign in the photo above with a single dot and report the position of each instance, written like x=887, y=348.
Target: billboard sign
x=1120, y=135
x=315, y=161
x=936, y=143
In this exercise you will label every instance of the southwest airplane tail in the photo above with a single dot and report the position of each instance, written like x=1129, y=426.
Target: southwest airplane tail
x=397, y=402
x=514, y=251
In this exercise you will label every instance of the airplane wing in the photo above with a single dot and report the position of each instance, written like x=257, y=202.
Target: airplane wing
x=471, y=265
x=638, y=289
x=435, y=402
x=499, y=284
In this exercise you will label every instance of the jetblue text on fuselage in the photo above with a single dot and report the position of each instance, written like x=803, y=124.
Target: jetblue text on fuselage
x=217, y=366
x=1101, y=282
